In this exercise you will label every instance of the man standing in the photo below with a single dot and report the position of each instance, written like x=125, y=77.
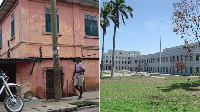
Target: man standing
x=79, y=72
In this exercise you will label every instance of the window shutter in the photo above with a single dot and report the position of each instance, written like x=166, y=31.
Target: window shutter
x=94, y=28
x=48, y=22
x=12, y=25
x=48, y=19
x=91, y=27
x=0, y=37
x=87, y=27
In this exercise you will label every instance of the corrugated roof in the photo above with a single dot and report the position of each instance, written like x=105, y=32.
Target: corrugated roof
x=18, y=60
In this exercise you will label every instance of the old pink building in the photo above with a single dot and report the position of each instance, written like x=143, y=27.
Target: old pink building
x=26, y=43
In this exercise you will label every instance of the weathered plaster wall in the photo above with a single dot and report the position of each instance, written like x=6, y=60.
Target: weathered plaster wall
x=30, y=30
x=6, y=29
x=30, y=35
x=71, y=37
x=36, y=82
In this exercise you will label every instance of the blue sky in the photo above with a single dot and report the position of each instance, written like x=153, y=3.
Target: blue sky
x=142, y=32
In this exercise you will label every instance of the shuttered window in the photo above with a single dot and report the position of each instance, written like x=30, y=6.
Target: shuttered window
x=48, y=19
x=12, y=25
x=0, y=37
x=91, y=25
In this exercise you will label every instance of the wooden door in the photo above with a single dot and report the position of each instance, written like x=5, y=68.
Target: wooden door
x=50, y=84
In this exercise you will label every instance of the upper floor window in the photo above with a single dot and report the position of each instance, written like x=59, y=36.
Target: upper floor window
x=197, y=57
x=186, y=57
x=48, y=19
x=191, y=57
x=181, y=57
x=91, y=25
x=12, y=25
x=0, y=37
x=177, y=58
x=135, y=61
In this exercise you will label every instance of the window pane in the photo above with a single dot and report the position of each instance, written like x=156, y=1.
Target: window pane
x=57, y=23
x=94, y=28
x=0, y=39
x=12, y=29
x=48, y=22
x=87, y=27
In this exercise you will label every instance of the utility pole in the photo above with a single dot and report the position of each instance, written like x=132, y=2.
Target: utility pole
x=56, y=65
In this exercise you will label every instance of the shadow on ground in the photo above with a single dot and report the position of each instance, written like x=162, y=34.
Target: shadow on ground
x=105, y=77
x=186, y=86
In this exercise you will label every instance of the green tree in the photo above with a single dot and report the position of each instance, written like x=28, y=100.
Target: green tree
x=104, y=22
x=186, y=21
x=119, y=9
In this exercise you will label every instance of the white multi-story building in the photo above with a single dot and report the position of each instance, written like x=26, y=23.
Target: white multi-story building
x=122, y=59
x=169, y=58
x=133, y=61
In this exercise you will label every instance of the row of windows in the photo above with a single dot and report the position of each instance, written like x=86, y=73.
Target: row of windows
x=183, y=48
x=121, y=67
x=91, y=25
x=172, y=59
x=116, y=67
x=117, y=57
x=171, y=70
x=119, y=62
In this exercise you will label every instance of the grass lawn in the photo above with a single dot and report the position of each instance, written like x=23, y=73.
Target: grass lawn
x=147, y=94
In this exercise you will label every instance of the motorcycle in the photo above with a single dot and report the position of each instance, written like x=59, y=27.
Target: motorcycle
x=13, y=102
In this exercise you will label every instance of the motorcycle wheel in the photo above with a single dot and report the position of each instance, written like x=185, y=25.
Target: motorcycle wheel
x=12, y=106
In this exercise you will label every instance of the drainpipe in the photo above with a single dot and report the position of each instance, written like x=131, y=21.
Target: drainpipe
x=8, y=54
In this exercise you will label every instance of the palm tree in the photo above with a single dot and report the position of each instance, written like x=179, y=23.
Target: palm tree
x=118, y=9
x=104, y=22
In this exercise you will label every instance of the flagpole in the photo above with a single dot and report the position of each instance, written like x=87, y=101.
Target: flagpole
x=160, y=46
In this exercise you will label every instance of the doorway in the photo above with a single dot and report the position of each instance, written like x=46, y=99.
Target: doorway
x=50, y=84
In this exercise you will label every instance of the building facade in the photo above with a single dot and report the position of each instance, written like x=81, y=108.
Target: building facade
x=169, y=58
x=26, y=44
x=122, y=59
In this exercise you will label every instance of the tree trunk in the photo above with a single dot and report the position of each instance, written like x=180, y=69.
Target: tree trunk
x=102, y=56
x=113, y=53
x=56, y=66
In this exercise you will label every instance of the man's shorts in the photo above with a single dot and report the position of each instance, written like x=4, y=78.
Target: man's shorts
x=78, y=81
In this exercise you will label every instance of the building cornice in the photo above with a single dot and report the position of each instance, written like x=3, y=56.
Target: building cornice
x=90, y=3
